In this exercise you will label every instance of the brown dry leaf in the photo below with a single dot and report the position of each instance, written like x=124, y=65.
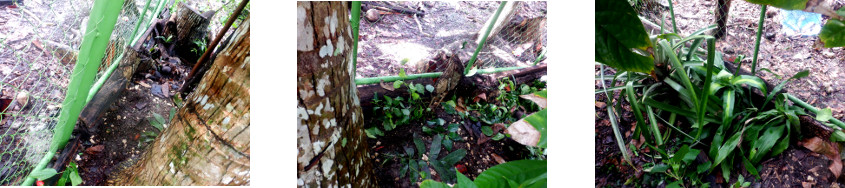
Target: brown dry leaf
x=541, y=101
x=828, y=149
x=385, y=86
x=498, y=127
x=460, y=105
x=497, y=158
x=482, y=96
x=524, y=133
x=94, y=150
x=600, y=105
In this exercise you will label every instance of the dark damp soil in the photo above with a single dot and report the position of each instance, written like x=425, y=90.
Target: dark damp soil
x=121, y=136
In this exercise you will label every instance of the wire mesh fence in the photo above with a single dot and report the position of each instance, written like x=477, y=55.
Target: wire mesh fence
x=39, y=42
x=519, y=41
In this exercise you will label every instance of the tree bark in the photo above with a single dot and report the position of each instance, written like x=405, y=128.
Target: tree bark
x=208, y=141
x=722, y=9
x=332, y=148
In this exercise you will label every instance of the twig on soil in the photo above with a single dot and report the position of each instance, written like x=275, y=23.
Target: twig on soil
x=419, y=26
x=31, y=15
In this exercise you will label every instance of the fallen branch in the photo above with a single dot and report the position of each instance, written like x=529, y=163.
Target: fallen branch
x=466, y=87
x=391, y=8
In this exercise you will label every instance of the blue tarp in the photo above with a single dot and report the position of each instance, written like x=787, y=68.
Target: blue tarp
x=797, y=22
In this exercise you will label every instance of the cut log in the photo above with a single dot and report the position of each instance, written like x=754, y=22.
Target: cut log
x=507, y=14
x=91, y=115
x=467, y=86
x=190, y=28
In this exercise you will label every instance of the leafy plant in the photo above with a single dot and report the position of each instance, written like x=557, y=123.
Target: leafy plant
x=159, y=123
x=726, y=120
x=201, y=45
x=415, y=165
x=167, y=40
x=399, y=111
x=522, y=173
x=71, y=173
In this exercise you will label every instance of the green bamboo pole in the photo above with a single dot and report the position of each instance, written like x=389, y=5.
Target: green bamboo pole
x=356, y=21
x=103, y=18
x=375, y=80
x=540, y=57
x=141, y=19
x=757, y=43
x=814, y=110
x=672, y=11
x=113, y=66
x=484, y=38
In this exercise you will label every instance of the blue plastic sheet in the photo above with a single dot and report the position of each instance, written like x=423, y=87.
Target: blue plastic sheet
x=797, y=22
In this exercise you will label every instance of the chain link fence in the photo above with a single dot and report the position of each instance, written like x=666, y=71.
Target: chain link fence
x=521, y=39
x=39, y=42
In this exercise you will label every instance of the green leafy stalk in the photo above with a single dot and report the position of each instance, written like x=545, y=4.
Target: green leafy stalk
x=702, y=109
x=672, y=13
x=654, y=129
x=612, y=117
x=757, y=42
x=484, y=38
x=356, y=21
x=679, y=69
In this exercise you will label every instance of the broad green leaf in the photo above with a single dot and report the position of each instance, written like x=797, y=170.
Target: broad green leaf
x=780, y=86
x=452, y=127
x=824, y=115
x=44, y=174
x=429, y=88
x=402, y=73
x=419, y=88
x=837, y=136
x=454, y=157
x=464, y=182
x=765, y=142
x=538, y=98
x=75, y=179
x=487, y=130
x=752, y=81
x=658, y=168
x=782, y=4
x=447, y=144
x=397, y=84
x=372, y=132
x=420, y=146
x=727, y=148
x=429, y=183
x=435, y=146
x=728, y=99
x=518, y=171
x=498, y=136
x=442, y=169
x=531, y=130
x=618, y=31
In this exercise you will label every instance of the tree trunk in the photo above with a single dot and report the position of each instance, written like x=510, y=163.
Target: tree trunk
x=332, y=148
x=207, y=143
x=722, y=9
